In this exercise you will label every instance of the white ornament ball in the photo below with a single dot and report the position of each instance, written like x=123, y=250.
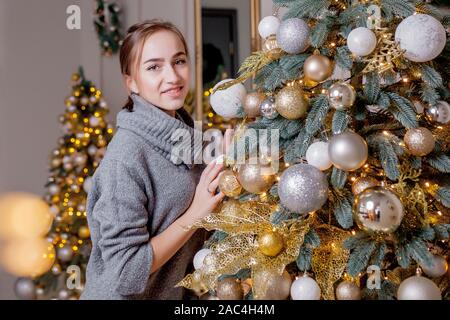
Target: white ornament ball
x=422, y=36
x=438, y=268
x=348, y=151
x=361, y=41
x=317, y=155
x=54, y=189
x=87, y=184
x=418, y=288
x=227, y=102
x=92, y=150
x=268, y=26
x=94, y=121
x=199, y=257
x=305, y=288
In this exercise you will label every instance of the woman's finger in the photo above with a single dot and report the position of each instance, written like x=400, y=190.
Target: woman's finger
x=218, y=197
x=214, y=172
x=214, y=184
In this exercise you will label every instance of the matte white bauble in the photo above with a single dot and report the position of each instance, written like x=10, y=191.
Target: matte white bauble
x=361, y=41
x=317, y=155
x=227, y=102
x=268, y=26
x=422, y=36
x=199, y=257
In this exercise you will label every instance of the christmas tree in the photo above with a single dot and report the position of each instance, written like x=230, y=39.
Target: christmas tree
x=72, y=163
x=356, y=204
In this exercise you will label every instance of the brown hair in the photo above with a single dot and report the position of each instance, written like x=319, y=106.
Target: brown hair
x=131, y=50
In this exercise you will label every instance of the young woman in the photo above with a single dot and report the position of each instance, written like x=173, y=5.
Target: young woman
x=143, y=196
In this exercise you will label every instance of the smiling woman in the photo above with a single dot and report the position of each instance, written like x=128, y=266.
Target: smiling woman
x=142, y=197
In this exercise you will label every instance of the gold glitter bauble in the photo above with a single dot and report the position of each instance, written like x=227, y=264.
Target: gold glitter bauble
x=318, y=67
x=419, y=141
x=291, y=103
x=270, y=243
x=252, y=102
x=256, y=178
x=229, y=184
x=348, y=290
x=270, y=43
x=362, y=183
x=229, y=289
x=278, y=287
x=84, y=232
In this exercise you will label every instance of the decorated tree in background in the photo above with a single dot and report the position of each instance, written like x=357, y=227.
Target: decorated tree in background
x=107, y=25
x=72, y=163
x=356, y=93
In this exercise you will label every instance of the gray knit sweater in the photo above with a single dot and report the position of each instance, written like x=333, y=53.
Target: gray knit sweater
x=138, y=191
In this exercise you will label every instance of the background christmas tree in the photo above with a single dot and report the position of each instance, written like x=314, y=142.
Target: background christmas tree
x=355, y=92
x=72, y=163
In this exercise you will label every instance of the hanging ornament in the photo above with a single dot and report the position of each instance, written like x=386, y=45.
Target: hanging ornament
x=438, y=268
x=291, y=102
x=56, y=269
x=362, y=183
x=421, y=36
x=361, y=41
x=65, y=253
x=84, y=100
x=419, y=141
x=418, y=288
x=229, y=289
x=293, y=35
x=270, y=243
x=63, y=294
x=268, y=109
x=278, y=286
x=341, y=95
x=54, y=189
x=317, y=155
x=347, y=290
x=256, y=178
x=271, y=47
x=317, y=67
x=94, y=121
x=199, y=257
x=83, y=232
x=303, y=188
x=348, y=151
x=268, y=26
x=378, y=209
x=25, y=289
x=305, y=288
x=252, y=102
x=229, y=184
x=229, y=101
x=439, y=113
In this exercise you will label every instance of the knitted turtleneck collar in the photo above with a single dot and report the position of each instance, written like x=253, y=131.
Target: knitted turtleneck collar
x=162, y=131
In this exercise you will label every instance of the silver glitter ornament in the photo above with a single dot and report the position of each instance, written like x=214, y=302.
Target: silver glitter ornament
x=25, y=289
x=347, y=290
x=418, y=288
x=303, y=188
x=293, y=35
x=348, y=151
x=268, y=109
x=65, y=254
x=378, y=209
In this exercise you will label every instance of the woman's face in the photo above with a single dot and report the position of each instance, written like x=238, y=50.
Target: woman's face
x=162, y=76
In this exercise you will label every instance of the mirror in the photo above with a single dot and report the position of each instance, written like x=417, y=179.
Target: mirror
x=226, y=32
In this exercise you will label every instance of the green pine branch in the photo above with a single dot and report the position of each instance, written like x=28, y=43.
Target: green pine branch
x=317, y=114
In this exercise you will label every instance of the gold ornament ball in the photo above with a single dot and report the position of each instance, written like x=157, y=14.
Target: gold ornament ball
x=270, y=243
x=348, y=290
x=229, y=184
x=256, y=178
x=318, y=67
x=252, y=102
x=362, y=183
x=229, y=289
x=291, y=103
x=84, y=232
x=75, y=77
x=419, y=141
x=278, y=287
x=271, y=43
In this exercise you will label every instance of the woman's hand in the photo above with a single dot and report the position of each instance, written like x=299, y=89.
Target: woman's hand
x=206, y=199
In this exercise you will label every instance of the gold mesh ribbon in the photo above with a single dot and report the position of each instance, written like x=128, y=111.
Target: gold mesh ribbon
x=330, y=259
